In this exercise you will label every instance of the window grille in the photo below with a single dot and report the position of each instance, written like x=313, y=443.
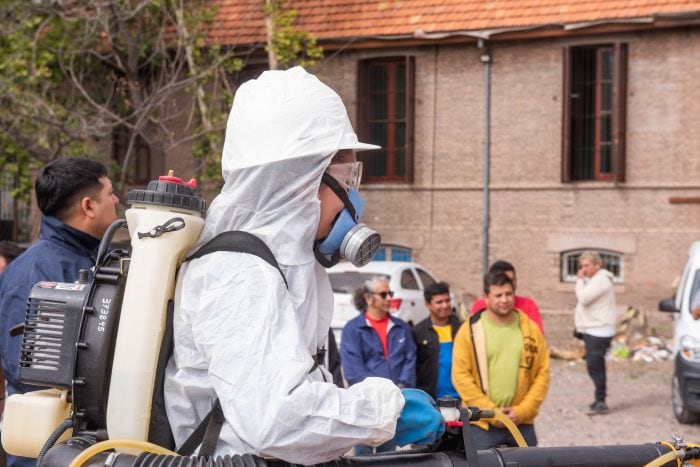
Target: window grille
x=385, y=118
x=612, y=261
x=594, y=113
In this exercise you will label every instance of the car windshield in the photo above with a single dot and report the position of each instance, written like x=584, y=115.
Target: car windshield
x=347, y=282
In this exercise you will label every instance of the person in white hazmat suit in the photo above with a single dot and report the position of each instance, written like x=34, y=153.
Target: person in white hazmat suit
x=245, y=338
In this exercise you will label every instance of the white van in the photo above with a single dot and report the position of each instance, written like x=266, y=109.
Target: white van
x=686, y=341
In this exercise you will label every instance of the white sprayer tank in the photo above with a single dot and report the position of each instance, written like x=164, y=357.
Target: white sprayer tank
x=164, y=222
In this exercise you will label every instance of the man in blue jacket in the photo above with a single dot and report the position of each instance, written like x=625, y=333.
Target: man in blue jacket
x=377, y=344
x=76, y=199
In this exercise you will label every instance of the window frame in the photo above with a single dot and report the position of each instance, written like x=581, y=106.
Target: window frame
x=15, y=213
x=571, y=173
x=570, y=276
x=364, y=120
x=694, y=287
x=390, y=252
x=422, y=275
x=409, y=273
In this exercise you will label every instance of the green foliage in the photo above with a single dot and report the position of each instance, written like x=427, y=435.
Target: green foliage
x=16, y=165
x=291, y=46
x=73, y=72
x=28, y=73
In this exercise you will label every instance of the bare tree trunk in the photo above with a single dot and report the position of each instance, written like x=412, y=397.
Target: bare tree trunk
x=270, y=28
x=201, y=102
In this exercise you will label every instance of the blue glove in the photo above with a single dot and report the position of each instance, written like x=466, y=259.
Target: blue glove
x=420, y=421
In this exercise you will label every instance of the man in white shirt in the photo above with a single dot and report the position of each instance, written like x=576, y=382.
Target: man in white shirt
x=595, y=318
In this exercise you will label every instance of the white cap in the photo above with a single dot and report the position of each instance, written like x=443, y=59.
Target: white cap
x=350, y=141
x=285, y=115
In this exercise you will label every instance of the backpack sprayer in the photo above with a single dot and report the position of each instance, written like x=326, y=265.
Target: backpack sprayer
x=96, y=344
x=98, y=341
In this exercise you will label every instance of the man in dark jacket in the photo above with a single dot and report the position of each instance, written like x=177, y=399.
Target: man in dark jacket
x=78, y=204
x=377, y=344
x=433, y=337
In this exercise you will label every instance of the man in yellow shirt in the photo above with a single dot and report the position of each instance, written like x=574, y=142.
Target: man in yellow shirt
x=500, y=360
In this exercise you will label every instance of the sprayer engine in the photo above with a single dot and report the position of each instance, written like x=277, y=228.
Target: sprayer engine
x=69, y=335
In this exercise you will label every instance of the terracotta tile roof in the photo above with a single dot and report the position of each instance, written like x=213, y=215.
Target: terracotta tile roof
x=241, y=21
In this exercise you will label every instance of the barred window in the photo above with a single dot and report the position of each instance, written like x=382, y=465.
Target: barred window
x=385, y=118
x=612, y=261
x=594, y=113
x=15, y=213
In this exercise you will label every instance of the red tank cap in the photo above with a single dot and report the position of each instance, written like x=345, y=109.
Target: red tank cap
x=172, y=179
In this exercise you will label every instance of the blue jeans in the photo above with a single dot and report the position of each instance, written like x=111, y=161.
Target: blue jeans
x=495, y=437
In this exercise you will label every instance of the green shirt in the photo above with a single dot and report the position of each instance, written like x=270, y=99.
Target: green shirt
x=503, y=346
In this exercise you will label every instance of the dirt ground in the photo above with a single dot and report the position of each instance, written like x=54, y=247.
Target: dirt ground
x=639, y=395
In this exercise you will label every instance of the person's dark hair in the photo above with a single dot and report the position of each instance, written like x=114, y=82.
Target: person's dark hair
x=62, y=182
x=9, y=250
x=503, y=266
x=495, y=278
x=436, y=288
x=358, y=299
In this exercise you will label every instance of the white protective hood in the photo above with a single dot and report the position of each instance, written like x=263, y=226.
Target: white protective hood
x=240, y=335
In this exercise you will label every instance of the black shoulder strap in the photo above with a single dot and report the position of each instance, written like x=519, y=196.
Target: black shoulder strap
x=206, y=433
x=208, y=430
x=240, y=242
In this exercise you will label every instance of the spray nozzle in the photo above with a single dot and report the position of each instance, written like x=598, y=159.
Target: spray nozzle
x=173, y=179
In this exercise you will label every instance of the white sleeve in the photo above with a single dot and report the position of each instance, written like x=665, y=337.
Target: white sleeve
x=588, y=291
x=247, y=330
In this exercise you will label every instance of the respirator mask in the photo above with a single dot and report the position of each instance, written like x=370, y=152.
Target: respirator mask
x=349, y=238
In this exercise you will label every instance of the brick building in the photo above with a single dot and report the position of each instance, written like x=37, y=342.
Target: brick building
x=588, y=113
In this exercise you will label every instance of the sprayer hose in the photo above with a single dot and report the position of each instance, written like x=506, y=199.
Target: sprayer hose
x=512, y=428
x=67, y=423
x=119, y=443
x=671, y=455
x=662, y=459
x=156, y=460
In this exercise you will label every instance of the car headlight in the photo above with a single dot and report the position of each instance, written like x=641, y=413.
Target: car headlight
x=690, y=349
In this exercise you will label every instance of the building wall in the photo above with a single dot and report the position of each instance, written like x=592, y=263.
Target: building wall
x=534, y=216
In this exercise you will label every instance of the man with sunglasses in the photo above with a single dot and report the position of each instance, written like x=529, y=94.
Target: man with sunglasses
x=247, y=334
x=376, y=344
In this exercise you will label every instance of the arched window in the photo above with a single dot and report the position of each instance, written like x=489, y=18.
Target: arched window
x=612, y=261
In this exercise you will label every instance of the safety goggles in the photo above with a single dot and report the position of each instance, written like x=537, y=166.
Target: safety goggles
x=384, y=294
x=348, y=174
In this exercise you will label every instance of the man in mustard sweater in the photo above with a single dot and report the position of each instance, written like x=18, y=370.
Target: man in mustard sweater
x=501, y=361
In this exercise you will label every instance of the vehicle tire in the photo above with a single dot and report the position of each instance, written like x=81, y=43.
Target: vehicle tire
x=680, y=409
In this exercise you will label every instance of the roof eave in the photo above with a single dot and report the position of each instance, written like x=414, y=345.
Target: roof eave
x=420, y=37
